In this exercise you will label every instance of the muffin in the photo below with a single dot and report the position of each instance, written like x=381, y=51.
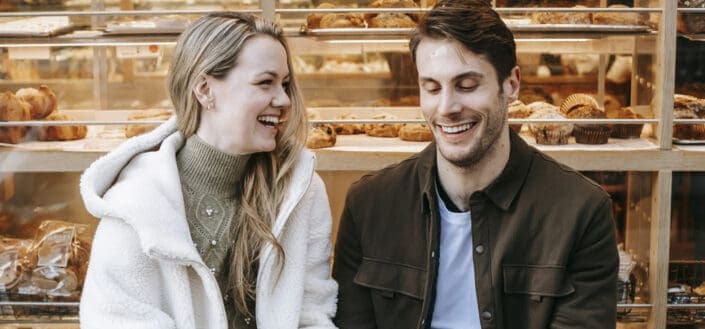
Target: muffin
x=383, y=129
x=688, y=107
x=348, y=128
x=518, y=110
x=549, y=133
x=583, y=106
x=624, y=130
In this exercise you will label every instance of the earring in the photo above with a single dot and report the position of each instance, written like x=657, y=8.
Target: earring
x=211, y=104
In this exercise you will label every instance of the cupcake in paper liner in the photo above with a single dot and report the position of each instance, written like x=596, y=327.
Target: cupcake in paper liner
x=592, y=135
x=624, y=130
x=584, y=106
x=518, y=110
x=578, y=102
x=549, y=133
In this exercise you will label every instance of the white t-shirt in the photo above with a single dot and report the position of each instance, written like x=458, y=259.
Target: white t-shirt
x=456, y=301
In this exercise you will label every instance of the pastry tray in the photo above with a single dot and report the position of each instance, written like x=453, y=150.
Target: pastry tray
x=147, y=27
x=688, y=141
x=589, y=28
x=41, y=26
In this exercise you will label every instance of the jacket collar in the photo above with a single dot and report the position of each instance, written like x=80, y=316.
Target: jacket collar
x=502, y=191
x=139, y=183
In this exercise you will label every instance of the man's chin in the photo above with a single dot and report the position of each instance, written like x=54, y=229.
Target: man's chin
x=460, y=156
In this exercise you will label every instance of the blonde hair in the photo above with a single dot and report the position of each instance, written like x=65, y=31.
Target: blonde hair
x=210, y=46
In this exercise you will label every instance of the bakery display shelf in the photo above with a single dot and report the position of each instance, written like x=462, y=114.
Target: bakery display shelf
x=686, y=306
x=342, y=75
x=694, y=36
x=88, y=39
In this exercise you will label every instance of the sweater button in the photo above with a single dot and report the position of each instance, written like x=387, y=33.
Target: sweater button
x=213, y=242
x=487, y=315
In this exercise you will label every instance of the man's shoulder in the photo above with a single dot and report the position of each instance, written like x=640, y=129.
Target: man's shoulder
x=561, y=181
x=389, y=180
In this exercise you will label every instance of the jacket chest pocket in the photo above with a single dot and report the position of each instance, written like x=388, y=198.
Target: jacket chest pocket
x=530, y=292
x=396, y=291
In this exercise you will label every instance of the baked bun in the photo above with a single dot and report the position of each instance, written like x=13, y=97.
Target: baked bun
x=348, y=128
x=691, y=22
x=146, y=115
x=383, y=129
x=688, y=107
x=624, y=130
x=394, y=4
x=415, y=132
x=13, y=108
x=60, y=133
x=320, y=136
x=313, y=21
x=562, y=17
x=43, y=101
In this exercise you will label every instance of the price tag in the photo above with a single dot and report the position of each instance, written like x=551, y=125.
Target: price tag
x=29, y=52
x=150, y=51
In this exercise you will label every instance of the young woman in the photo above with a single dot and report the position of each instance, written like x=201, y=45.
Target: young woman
x=216, y=219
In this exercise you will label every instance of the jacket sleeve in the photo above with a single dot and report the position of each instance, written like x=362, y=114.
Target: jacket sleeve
x=355, y=309
x=320, y=290
x=593, y=270
x=120, y=290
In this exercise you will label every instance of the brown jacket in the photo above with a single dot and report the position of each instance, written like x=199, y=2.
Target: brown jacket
x=545, y=250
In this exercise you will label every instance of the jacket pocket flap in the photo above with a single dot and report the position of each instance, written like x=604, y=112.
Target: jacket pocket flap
x=548, y=281
x=391, y=278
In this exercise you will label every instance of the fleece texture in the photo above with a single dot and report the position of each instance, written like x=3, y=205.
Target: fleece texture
x=145, y=272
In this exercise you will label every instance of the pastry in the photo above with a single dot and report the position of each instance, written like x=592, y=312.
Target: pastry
x=342, y=20
x=549, y=133
x=60, y=133
x=624, y=130
x=415, y=132
x=617, y=18
x=410, y=100
x=562, y=17
x=13, y=109
x=348, y=128
x=320, y=136
x=313, y=21
x=396, y=20
x=43, y=101
x=688, y=107
x=530, y=95
x=518, y=110
x=584, y=106
x=691, y=22
x=146, y=115
x=383, y=129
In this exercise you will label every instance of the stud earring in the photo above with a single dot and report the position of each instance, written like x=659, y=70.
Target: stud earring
x=211, y=104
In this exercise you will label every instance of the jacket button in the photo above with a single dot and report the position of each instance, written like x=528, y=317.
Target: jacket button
x=479, y=249
x=423, y=321
x=487, y=315
x=433, y=254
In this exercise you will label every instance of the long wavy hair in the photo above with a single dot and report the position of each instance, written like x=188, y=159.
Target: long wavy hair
x=211, y=46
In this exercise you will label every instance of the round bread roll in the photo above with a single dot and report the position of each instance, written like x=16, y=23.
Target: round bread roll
x=395, y=20
x=415, y=132
x=342, y=20
x=146, y=115
x=321, y=136
x=13, y=108
x=562, y=17
x=394, y=4
x=313, y=21
x=383, y=129
x=613, y=18
x=61, y=133
x=43, y=101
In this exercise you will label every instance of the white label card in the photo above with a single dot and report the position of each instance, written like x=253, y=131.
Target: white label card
x=150, y=51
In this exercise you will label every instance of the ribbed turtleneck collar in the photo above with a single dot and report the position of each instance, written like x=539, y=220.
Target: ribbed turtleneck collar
x=205, y=169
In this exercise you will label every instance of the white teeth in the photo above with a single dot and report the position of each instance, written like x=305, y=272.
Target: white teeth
x=456, y=129
x=269, y=119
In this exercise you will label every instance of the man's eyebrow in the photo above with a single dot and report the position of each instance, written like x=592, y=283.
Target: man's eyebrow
x=469, y=74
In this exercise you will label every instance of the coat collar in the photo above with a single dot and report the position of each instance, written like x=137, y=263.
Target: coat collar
x=502, y=191
x=139, y=183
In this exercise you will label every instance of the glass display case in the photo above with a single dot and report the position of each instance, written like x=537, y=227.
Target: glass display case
x=102, y=65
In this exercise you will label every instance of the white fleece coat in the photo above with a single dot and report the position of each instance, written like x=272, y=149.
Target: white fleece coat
x=145, y=272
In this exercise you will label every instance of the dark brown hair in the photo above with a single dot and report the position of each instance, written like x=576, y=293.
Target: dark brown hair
x=475, y=25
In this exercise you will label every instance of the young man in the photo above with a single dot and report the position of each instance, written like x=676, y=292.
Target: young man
x=479, y=230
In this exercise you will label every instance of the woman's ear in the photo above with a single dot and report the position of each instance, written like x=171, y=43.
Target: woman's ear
x=511, y=84
x=203, y=92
